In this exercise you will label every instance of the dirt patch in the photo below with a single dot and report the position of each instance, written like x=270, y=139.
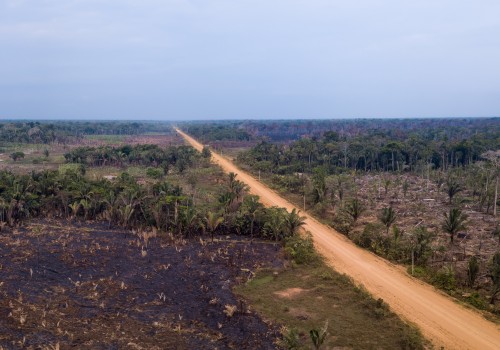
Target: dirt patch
x=89, y=287
x=300, y=313
x=290, y=292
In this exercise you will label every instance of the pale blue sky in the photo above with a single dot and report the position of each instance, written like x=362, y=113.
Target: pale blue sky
x=181, y=59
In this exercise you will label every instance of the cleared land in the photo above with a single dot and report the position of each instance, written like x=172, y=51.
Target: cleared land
x=68, y=285
x=439, y=317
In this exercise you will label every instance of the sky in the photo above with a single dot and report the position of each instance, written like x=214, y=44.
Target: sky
x=233, y=59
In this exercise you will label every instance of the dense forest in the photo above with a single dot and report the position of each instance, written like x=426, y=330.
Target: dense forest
x=224, y=131
x=284, y=130
x=286, y=147
x=62, y=131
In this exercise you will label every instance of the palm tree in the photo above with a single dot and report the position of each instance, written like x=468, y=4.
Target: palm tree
x=189, y=219
x=239, y=188
x=354, y=209
x=156, y=210
x=421, y=242
x=453, y=222
x=293, y=221
x=252, y=207
x=388, y=217
x=236, y=187
x=212, y=222
x=126, y=213
x=129, y=198
x=111, y=203
x=232, y=179
x=225, y=200
x=86, y=205
x=62, y=197
x=74, y=208
x=452, y=188
x=275, y=222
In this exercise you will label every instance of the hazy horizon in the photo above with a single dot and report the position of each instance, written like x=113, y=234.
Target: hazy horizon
x=226, y=60
x=35, y=119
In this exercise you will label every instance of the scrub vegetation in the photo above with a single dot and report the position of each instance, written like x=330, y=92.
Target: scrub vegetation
x=423, y=193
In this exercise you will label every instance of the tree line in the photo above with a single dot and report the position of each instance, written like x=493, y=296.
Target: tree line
x=370, y=152
x=220, y=131
x=67, y=193
x=180, y=157
x=47, y=132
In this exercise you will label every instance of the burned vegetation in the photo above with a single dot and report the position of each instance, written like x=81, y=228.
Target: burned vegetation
x=86, y=286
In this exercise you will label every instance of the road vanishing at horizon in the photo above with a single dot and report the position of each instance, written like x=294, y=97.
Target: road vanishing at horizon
x=440, y=318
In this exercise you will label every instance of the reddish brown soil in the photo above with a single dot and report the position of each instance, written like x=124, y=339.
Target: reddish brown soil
x=88, y=287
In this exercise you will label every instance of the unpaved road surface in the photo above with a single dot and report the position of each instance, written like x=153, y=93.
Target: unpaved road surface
x=444, y=322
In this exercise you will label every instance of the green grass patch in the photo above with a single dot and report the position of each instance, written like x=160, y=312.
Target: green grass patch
x=305, y=297
x=107, y=138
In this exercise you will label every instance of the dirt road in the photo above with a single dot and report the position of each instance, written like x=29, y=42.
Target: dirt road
x=440, y=319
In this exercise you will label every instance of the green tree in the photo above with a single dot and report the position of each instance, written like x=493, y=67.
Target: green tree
x=212, y=222
x=319, y=184
x=354, y=208
x=494, y=274
x=17, y=155
x=453, y=188
x=189, y=220
x=225, y=200
x=421, y=240
x=472, y=270
x=274, y=222
x=496, y=232
x=239, y=189
x=293, y=221
x=454, y=221
x=494, y=158
x=205, y=152
x=388, y=217
x=252, y=207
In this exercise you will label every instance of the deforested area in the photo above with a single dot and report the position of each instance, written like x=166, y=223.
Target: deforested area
x=291, y=175
x=422, y=193
x=139, y=241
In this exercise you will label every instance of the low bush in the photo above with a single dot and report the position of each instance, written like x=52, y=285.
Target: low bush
x=154, y=173
x=342, y=223
x=301, y=250
x=445, y=279
x=476, y=300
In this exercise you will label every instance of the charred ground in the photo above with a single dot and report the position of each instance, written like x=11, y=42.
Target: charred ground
x=90, y=287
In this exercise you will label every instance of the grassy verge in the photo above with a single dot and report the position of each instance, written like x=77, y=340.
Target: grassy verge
x=307, y=296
